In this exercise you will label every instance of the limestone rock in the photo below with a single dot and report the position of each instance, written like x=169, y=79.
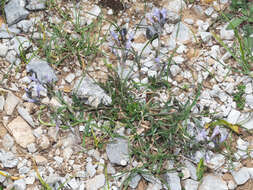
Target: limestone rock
x=15, y=11
x=21, y=132
x=117, y=151
x=10, y=103
x=90, y=92
x=211, y=182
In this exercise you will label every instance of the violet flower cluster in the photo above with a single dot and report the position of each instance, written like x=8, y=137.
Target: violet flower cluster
x=38, y=87
x=157, y=19
x=122, y=42
x=203, y=135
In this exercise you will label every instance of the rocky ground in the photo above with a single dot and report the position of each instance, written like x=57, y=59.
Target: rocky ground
x=66, y=67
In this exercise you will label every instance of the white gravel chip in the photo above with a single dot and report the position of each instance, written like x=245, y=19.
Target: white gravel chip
x=95, y=183
x=241, y=176
x=20, y=184
x=233, y=116
x=190, y=184
x=212, y=182
x=3, y=50
x=226, y=34
x=10, y=103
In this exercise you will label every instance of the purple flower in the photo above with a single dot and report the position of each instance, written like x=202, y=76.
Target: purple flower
x=39, y=87
x=156, y=14
x=149, y=16
x=223, y=137
x=157, y=60
x=115, y=36
x=216, y=131
x=33, y=78
x=160, y=15
x=29, y=99
x=129, y=40
x=202, y=135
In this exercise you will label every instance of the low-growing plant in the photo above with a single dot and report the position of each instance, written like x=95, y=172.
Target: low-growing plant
x=238, y=96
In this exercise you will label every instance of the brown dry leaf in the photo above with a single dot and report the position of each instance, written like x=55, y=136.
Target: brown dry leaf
x=67, y=89
x=207, y=1
x=140, y=39
x=141, y=185
x=1, y=21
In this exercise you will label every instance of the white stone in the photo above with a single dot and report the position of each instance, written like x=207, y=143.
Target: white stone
x=152, y=73
x=249, y=124
x=189, y=21
x=91, y=169
x=241, y=176
x=70, y=77
x=175, y=5
x=25, y=115
x=216, y=161
x=178, y=59
x=156, y=186
x=242, y=145
x=175, y=70
x=58, y=160
x=32, y=147
x=19, y=184
x=233, y=116
x=186, y=173
x=67, y=152
x=2, y=101
x=110, y=12
x=21, y=132
x=7, y=142
x=43, y=142
x=193, y=171
x=231, y=185
x=3, y=50
x=10, y=103
x=94, y=12
x=226, y=34
x=182, y=33
x=73, y=183
x=95, y=183
x=190, y=184
x=215, y=52
x=209, y=11
x=212, y=182
x=205, y=36
x=248, y=88
x=173, y=180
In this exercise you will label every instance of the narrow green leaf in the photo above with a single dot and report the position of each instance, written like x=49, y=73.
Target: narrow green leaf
x=234, y=23
x=200, y=169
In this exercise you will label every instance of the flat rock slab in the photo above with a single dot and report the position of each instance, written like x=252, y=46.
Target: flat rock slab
x=44, y=73
x=192, y=169
x=175, y=5
x=212, y=182
x=20, y=44
x=15, y=11
x=95, y=183
x=117, y=151
x=10, y=103
x=8, y=159
x=173, y=180
x=86, y=89
x=8, y=32
x=21, y=132
x=181, y=33
x=25, y=115
x=241, y=176
x=249, y=124
x=34, y=5
x=190, y=184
